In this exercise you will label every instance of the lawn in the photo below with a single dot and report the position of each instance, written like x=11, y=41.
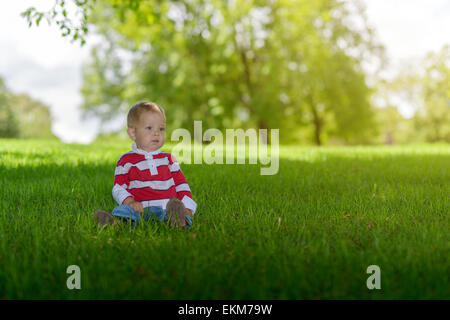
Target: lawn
x=308, y=232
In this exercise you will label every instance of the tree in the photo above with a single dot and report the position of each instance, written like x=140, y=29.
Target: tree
x=8, y=121
x=434, y=116
x=426, y=88
x=23, y=117
x=247, y=63
x=393, y=127
x=34, y=118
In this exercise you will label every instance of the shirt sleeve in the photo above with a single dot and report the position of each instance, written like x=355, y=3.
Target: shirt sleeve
x=121, y=182
x=181, y=186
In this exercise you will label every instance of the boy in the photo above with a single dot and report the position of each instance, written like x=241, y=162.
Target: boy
x=148, y=183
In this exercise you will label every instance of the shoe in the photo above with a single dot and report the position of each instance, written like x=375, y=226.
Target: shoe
x=104, y=218
x=176, y=211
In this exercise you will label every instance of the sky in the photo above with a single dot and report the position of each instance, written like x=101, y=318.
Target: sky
x=38, y=61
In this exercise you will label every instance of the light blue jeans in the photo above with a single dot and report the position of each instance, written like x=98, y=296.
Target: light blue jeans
x=157, y=213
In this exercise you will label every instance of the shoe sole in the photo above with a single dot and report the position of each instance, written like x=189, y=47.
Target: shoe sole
x=104, y=218
x=176, y=211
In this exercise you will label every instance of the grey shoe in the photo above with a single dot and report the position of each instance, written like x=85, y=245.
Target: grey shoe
x=176, y=211
x=104, y=218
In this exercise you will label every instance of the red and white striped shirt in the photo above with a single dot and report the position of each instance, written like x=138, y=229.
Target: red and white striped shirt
x=151, y=178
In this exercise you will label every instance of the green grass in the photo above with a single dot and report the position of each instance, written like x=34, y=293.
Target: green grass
x=309, y=232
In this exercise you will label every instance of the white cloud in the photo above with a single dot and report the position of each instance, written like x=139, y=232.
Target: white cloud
x=410, y=28
x=40, y=62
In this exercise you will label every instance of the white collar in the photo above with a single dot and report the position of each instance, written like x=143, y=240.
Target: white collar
x=146, y=153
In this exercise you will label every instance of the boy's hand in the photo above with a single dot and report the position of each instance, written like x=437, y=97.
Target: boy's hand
x=136, y=205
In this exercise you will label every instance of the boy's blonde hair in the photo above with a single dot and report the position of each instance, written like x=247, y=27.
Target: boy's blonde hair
x=135, y=112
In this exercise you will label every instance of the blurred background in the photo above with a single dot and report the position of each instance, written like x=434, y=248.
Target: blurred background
x=324, y=72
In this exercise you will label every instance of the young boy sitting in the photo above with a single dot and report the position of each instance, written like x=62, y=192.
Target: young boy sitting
x=148, y=183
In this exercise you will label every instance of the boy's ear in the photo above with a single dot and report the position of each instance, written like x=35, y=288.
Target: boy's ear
x=132, y=133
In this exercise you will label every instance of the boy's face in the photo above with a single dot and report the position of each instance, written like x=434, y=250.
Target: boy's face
x=149, y=131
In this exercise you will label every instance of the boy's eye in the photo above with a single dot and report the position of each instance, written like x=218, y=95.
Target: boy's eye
x=162, y=129
x=149, y=128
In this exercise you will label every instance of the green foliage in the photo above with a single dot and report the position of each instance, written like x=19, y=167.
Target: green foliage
x=34, y=117
x=8, y=121
x=434, y=118
x=426, y=87
x=59, y=14
x=292, y=65
x=393, y=127
x=23, y=117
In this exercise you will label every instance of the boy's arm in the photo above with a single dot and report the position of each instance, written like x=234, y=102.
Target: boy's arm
x=120, y=194
x=121, y=183
x=181, y=186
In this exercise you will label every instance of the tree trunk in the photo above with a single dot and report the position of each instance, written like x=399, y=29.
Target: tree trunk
x=317, y=127
x=317, y=122
x=262, y=124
